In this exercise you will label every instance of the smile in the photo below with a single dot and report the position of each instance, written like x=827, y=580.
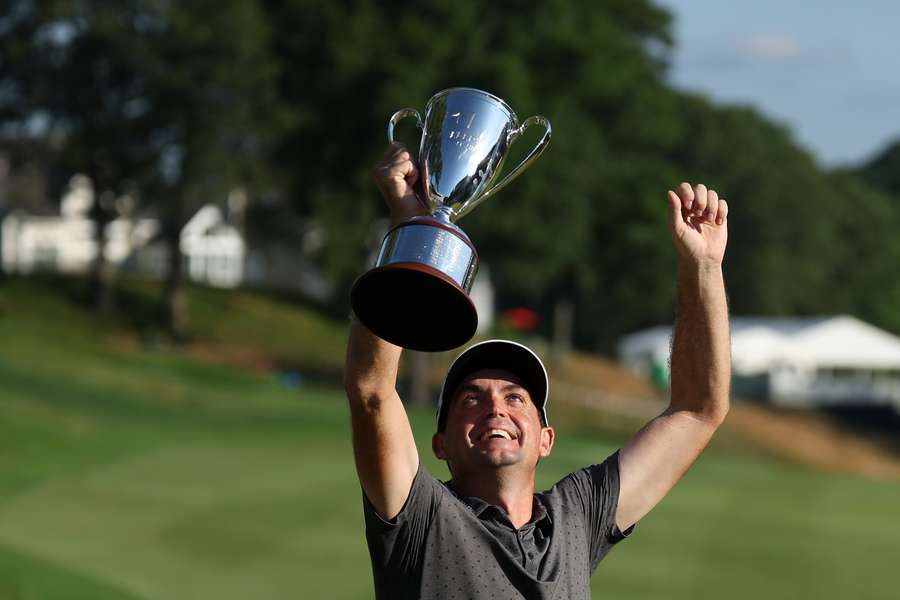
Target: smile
x=494, y=434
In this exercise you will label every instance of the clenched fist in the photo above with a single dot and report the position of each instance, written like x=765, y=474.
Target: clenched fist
x=395, y=175
x=698, y=221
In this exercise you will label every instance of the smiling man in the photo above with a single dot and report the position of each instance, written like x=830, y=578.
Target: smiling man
x=486, y=533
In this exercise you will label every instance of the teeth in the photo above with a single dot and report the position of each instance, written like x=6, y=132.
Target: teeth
x=492, y=432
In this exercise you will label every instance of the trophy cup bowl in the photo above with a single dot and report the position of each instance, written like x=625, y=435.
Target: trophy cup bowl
x=417, y=294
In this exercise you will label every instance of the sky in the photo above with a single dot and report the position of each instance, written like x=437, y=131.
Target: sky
x=828, y=70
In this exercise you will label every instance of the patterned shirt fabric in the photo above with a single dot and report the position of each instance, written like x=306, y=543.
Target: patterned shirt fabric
x=445, y=546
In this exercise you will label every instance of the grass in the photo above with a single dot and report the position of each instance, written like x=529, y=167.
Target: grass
x=139, y=473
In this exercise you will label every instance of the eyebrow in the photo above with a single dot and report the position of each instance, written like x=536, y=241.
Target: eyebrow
x=512, y=386
x=471, y=387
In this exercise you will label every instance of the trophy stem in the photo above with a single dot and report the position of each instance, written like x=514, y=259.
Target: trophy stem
x=443, y=214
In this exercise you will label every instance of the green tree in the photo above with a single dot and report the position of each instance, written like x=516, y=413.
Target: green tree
x=584, y=66
x=185, y=101
x=93, y=94
x=211, y=98
x=781, y=247
x=176, y=100
x=883, y=171
x=871, y=222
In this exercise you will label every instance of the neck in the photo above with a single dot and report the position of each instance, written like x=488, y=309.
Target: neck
x=514, y=494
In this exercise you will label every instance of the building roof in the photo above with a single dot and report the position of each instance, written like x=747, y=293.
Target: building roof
x=759, y=343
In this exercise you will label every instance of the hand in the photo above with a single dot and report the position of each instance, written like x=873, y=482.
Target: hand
x=698, y=221
x=395, y=175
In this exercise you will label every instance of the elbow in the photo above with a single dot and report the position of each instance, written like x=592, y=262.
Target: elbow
x=356, y=389
x=716, y=412
x=363, y=394
x=718, y=416
x=711, y=411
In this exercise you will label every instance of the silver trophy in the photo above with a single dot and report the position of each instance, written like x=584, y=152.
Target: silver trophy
x=417, y=294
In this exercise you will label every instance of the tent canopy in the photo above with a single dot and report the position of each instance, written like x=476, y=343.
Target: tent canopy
x=760, y=343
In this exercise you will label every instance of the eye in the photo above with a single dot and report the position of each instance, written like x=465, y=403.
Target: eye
x=516, y=398
x=470, y=400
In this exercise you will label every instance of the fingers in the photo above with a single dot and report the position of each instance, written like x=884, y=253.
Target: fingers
x=712, y=206
x=701, y=197
x=396, y=171
x=723, y=212
x=676, y=218
x=700, y=203
x=392, y=149
x=686, y=193
x=398, y=161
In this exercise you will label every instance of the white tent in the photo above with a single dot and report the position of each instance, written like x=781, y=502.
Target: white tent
x=847, y=342
x=794, y=360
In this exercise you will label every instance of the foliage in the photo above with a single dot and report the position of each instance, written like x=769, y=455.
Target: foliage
x=171, y=102
x=883, y=170
x=587, y=222
x=535, y=235
x=872, y=247
x=188, y=100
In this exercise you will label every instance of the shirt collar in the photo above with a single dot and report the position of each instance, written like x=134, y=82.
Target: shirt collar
x=479, y=506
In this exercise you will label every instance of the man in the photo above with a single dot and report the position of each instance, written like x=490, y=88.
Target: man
x=485, y=533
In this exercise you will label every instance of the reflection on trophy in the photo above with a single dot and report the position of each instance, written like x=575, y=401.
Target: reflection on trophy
x=417, y=296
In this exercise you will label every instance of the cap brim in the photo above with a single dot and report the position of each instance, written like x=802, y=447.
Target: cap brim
x=497, y=354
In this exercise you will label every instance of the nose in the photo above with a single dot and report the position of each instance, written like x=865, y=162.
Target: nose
x=497, y=406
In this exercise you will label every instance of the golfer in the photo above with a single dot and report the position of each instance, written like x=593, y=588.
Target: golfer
x=486, y=533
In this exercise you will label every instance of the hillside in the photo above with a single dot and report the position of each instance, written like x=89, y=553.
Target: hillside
x=136, y=470
x=276, y=338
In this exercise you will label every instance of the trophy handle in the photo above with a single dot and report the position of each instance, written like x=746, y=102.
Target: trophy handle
x=526, y=162
x=402, y=114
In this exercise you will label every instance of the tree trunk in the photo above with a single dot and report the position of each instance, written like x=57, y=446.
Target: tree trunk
x=99, y=284
x=101, y=276
x=419, y=387
x=563, y=321
x=174, y=300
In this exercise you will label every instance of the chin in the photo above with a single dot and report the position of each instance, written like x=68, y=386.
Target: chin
x=501, y=459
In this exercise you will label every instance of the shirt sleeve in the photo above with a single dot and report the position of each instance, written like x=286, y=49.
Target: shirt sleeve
x=594, y=491
x=397, y=545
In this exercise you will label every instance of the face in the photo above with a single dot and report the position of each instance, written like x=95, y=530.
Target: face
x=492, y=423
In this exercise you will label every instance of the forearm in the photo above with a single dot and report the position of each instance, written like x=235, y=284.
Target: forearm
x=370, y=373
x=660, y=453
x=701, y=349
x=383, y=442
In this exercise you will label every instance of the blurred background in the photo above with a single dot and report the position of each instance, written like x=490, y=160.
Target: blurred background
x=185, y=200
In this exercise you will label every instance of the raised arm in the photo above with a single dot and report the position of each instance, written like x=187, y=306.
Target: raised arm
x=660, y=453
x=383, y=443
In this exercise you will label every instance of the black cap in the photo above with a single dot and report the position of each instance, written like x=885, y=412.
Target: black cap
x=497, y=354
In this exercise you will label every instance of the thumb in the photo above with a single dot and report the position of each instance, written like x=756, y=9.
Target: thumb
x=676, y=218
x=412, y=174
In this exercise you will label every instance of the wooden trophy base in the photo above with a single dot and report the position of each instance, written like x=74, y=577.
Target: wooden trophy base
x=417, y=296
x=414, y=306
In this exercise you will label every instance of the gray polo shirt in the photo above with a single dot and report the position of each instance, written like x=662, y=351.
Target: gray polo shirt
x=445, y=546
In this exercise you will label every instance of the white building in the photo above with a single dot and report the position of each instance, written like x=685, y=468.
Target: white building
x=214, y=250
x=794, y=362
x=64, y=244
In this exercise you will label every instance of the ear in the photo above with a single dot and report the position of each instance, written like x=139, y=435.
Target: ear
x=437, y=445
x=547, y=437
